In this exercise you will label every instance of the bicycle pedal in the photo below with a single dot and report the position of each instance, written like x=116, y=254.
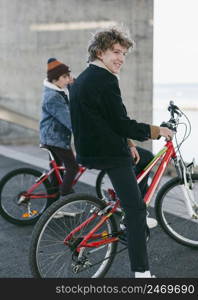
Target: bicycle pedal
x=104, y=234
x=28, y=215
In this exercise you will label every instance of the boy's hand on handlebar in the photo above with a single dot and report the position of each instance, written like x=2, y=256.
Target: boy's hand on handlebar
x=167, y=133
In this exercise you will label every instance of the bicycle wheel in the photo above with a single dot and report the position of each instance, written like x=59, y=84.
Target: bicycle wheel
x=12, y=187
x=103, y=184
x=50, y=257
x=172, y=213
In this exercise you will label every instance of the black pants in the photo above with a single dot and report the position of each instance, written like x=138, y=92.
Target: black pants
x=66, y=157
x=145, y=157
x=125, y=184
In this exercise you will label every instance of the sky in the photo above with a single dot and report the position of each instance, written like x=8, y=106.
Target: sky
x=175, y=41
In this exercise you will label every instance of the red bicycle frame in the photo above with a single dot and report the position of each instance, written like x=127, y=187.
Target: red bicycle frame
x=165, y=155
x=56, y=169
x=91, y=234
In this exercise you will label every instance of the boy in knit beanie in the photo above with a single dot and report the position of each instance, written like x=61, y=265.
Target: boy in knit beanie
x=55, y=123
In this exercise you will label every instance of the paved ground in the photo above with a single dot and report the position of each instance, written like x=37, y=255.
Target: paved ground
x=168, y=259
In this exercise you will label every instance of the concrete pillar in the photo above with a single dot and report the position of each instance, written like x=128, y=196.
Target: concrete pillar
x=25, y=49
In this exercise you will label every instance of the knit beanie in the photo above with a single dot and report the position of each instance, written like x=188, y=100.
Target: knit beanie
x=55, y=69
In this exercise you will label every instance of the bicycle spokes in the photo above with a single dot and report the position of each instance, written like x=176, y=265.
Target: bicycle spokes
x=76, y=241
x=18, y=205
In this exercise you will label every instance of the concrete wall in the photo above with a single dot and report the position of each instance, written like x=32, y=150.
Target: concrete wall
x=24, y=50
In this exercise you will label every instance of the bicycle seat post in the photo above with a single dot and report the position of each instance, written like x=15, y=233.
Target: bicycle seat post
x=44, y=147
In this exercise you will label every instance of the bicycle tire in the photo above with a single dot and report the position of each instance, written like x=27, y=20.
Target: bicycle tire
x=102, y=184
x=172, y=215
x=55, y=229
x=11, y=187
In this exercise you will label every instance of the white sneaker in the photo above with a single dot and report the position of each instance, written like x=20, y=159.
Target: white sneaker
x=151, y=222
x=146, y=274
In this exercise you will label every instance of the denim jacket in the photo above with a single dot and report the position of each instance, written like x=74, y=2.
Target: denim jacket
x=55, y=123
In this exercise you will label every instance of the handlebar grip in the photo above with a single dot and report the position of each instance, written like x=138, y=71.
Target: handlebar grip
x=169, y=125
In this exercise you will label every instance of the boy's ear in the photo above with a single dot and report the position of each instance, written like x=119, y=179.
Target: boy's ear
x=99, y=54
x=54, y=81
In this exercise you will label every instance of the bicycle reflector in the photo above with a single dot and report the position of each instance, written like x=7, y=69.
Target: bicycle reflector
x=28, y=215
x=104, y=234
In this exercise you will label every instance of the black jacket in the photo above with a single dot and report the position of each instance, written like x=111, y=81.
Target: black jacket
x=99, y=120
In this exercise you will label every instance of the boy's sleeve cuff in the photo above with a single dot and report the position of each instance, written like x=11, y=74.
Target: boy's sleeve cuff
x=155, y=132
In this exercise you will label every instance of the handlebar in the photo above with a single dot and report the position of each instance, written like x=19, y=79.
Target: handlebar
x=174, y=122
x=174, y=109
x=171, y=124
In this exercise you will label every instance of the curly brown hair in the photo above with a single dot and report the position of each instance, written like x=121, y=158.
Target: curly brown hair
x=105, y=39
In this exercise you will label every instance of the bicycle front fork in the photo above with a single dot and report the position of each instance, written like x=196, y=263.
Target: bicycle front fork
x=185, y=173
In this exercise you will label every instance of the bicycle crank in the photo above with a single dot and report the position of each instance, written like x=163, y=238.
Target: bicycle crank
x=22, y=199
x=30, y=212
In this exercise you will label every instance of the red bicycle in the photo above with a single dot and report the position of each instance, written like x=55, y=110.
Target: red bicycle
x=78, y=236
x=25, y=193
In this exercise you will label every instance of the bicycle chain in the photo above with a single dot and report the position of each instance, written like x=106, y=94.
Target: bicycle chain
x=123, y=249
